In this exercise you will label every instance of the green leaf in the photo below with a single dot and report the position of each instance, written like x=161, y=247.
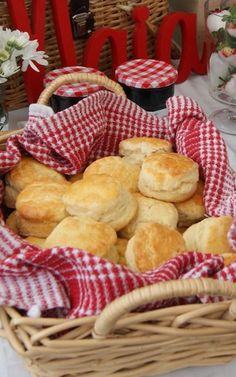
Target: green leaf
x=232, y=16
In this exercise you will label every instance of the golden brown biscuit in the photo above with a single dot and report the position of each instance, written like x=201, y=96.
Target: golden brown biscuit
x=27, y=171
x=11, y=222
x=121, y=245
x=168, y=176
x=150, y=211
x=75, y=178
x=135, y=149
x=83, y=233
x=35, y=241
x=10, y=195
x=42, y=202
x=40, y=229
x=101, y=198
x=181, y=229
x=229, y=258
x=112, y=255
x=191, y=210
x=209, y=235
x=115, y=167
x=153, y=245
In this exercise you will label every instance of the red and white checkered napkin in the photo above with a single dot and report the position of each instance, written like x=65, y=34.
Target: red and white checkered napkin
x=82, y=284
x=146, y=73
x=75, y=280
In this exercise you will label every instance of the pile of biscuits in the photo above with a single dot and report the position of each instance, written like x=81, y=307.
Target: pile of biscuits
x=139, y=208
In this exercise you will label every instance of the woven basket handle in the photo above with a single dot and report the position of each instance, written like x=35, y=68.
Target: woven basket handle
x=72, y=78
x=158, y=292
x=69, y=78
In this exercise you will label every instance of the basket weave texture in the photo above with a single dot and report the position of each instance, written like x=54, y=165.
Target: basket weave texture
x=106, y=13
x=119, y=342
x=141, y=344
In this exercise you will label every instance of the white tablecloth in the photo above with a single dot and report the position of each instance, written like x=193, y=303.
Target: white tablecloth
x=197, y=88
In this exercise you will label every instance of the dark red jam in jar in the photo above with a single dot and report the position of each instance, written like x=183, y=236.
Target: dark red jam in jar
x=147, y=82
x=69, y=94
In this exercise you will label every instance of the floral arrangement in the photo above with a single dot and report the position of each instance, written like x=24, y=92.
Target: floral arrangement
x=18, y=52
x=222, y=26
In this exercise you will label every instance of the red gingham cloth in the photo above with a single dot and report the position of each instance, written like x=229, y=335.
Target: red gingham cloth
x=72, y=279
x=146, y=73
x=73, y=90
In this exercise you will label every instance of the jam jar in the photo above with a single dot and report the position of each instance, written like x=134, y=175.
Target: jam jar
x=69, y=94
x=147, y=82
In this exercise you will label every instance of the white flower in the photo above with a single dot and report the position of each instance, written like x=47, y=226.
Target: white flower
x=18, y=52
x=8, y=68
x=2, y=80
x=30, y=54
x=4, y=55
x=5, y=35
x=21, y=38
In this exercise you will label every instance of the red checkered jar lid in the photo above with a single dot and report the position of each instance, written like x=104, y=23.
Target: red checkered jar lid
x=73, y=90
x=146, y=73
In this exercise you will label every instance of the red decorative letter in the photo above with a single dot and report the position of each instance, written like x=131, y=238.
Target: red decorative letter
x=118, y=40
x=63, y=32
x=189, y=57
x=140, y=15
x=20, y=20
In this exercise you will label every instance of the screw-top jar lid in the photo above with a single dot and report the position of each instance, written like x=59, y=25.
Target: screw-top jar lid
x=146, y=73
x=73, y=90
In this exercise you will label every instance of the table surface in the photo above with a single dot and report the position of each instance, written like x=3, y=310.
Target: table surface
x=195, y=87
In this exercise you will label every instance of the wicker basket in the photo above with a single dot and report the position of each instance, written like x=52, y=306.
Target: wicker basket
x=107, y=13
x=120, y=342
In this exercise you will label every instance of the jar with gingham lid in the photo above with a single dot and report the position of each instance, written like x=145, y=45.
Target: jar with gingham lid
x=147, y=82
x=69, y=94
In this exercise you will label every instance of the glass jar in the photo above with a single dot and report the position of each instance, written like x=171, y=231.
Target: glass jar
x=70, y=94
x=147, y=82
x=3, y=109
x=222, y=63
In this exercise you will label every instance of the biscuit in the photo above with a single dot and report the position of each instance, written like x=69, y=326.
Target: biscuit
x=150, y=211
x=135, y=149
x=103, y=199
x=151, y=246
x=9, y=197
x=35, y=241
x=181, y=229
x=75, y=178
x=83, y=233
x=169, y=177
x=121, y=245
x=11, y=222
x=112, y=255
x=115, y=167
x=40, y=229
x=27, y=171
x=209, y=235
x=191, y=210
x=42, y=202
x=229, y=258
